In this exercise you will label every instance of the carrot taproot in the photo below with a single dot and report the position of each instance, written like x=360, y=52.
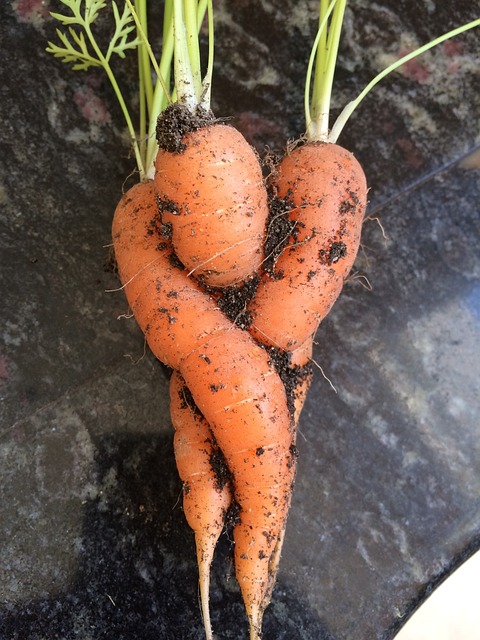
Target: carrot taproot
x=231, y=378
x=201, y=466
x=207, y=492
x=325, y=188
x=212, y=196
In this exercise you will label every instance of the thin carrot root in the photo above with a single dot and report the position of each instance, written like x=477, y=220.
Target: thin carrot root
x=204, y=561
x=206, y=488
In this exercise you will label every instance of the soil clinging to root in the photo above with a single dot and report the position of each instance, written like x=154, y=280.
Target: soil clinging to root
x=176, y=121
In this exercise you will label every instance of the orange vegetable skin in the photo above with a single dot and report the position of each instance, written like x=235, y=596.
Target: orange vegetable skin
x=230, y=377
x=326, y=187
x=206, y=497
x=206, y=491
x=212, y=193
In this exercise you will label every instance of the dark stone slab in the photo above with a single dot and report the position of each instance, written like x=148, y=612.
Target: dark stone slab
x=92, y=535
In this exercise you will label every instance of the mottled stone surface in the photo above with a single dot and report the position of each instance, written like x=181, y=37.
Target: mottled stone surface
x=92, y=536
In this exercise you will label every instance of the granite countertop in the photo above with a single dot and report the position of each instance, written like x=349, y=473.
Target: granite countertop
x=92, y=535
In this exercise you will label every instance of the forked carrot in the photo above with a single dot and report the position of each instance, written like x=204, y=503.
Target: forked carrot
x=232, y=380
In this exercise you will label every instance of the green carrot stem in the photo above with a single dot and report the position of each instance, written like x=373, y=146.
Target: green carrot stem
x=143, y=77
x=160, y=95
x=312, y=123
x=184, y=84
x=118, y=93
x=324, y=80
x=144, y=54
x=207, y=81
x=191, y=33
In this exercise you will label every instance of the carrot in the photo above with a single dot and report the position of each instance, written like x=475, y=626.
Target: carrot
x=232, y=380
x=207, y=487
x=300, y=364
x=206, y=482
x=325, y=190
x=212, y=198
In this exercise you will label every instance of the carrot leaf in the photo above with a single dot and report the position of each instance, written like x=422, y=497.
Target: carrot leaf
x=75, y=52
x=79, y=47
x=123, y=28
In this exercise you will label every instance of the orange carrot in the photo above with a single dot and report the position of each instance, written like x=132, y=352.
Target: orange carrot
x=212, y=197
x=325, y=188
x=231, y=378
x=206, y=482
x=200, y=463
x=201, y=466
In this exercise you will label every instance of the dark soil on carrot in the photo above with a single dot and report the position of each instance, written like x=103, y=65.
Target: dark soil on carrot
x=280, y=228
x=176, y=121
x=233, y=300
x=223, y=475
x=291, y=376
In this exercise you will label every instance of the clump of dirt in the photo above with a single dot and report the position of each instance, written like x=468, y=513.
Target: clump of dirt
x=280, y=229
x=233, y=300
x=334, y=252
x=233, y=515
x=176, y=121
x=291, y=375
x=223, y=475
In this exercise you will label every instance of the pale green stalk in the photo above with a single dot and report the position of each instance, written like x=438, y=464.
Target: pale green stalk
x=207, y=81
x=326, y=56
x=181, y=63
x=326, y=8
x=160, y=96
x=320, y=40
x=143, y=75
x=324, y=73
x=193, y=49
x=144, y=54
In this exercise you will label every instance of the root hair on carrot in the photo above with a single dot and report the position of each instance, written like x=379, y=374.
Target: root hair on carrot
x=324, y=375
x=377, y=220
x=135, y=275
x=361, y=278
